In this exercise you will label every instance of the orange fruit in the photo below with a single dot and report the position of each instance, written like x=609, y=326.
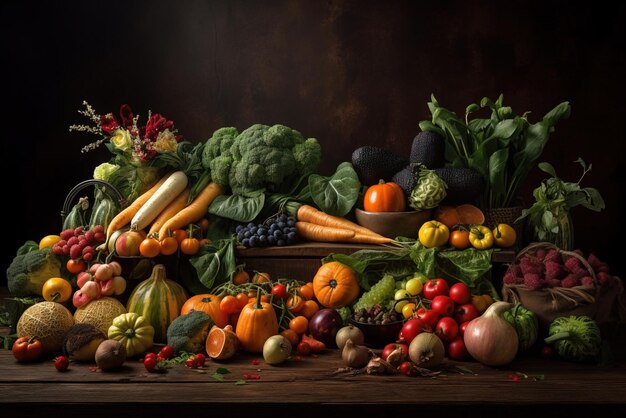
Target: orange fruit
x=48, y=241
x=221, y=343
x=447, y=215
x=470, y=215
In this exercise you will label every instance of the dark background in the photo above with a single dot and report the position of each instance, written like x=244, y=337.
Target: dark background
x=349, y=73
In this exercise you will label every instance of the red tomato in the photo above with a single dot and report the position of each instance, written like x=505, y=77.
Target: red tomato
x=460, y=293
x=431, y=318
x=412, y=328
x=406, y=368
x=462, y=327
x=390, y=348
x=304, y=348
x=61, y=363
x=465, y=313
x=447, y=329
x=457, y=350
x=443, y=305
x=167, y=352
x=435, y=287
x=229, y=304
x=27, y=349
x=279, y=291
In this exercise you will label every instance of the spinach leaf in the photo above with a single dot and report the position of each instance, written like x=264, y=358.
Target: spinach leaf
x=215, y=263
x=240, y=208
x=337, y=194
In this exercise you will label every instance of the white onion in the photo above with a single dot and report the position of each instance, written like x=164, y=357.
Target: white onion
x=490, y=339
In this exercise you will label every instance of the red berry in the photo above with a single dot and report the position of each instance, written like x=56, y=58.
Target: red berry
x=66, y=249
x=98, y=228
x=89, y=236
x=200, y=359
x=61, y=363
x=72, y=241
x=67, y=234
x=78, y=230
x=75, y=252
x=88, y=256
x=99, y=236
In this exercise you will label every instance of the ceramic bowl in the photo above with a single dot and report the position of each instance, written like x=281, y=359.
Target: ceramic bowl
x=394, y=224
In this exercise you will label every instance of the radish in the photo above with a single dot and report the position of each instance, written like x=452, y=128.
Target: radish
x=166, y=193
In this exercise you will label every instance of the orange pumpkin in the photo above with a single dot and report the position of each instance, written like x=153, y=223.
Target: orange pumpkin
x=335, y=285
x=257, y=322
x=384, y=197
x=209, y=304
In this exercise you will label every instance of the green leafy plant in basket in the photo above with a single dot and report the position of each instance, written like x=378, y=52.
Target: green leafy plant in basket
x=503, y=148
x=549, y=217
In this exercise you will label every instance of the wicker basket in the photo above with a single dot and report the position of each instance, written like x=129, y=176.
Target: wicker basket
x=604, y=302
x=69, y=199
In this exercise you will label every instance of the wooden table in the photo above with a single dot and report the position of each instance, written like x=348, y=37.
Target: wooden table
x=308, y=386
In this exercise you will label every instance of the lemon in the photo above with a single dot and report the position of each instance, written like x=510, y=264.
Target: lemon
x=48, y=241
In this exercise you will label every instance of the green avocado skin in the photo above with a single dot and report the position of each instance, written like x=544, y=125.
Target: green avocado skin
x=464, y=184
x=428, y=148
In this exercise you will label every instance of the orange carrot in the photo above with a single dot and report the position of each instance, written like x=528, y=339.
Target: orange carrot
x=172, y=209
x=315, y=232
x=194, y=211
x=309, y=214
x=126, y=215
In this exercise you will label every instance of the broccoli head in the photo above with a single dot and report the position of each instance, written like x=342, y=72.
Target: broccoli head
x=216, y=155
x=188, y=332
x=264, y=156
x=30, y=269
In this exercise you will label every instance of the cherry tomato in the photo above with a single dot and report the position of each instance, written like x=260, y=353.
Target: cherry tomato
x=261, y=277
x=406, y=368
x=150, y=355
x=27, y=349
x=412, y=328
x=242, y=300
x=456, y=349
x=229, y=304
x=180, y=235
x=303, y=348
x=190, y=246
x=292, y=336
x=241, y=277
x=299, y=324
x=168, y=245
x=61, y=363
x=295, y=303
x=459, y=239
x=306, y=291
x=309, y=308
x=447, y=329
x=279, y=291
x=150, y=363
x=462, y=327
x=150, y=247
x=75, y=266
x=199, y=359
x=435, y=287
x=460, y=293
x=465, y=313
x=428, y=316
x=407, y=310
x=203, y=224
x=443, y=305
x=390, y=348
x=167, y=352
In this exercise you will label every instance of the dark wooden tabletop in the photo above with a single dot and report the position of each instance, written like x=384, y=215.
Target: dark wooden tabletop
x=307, y=385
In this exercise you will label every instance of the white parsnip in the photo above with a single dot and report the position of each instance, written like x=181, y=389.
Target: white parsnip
x=166, y=193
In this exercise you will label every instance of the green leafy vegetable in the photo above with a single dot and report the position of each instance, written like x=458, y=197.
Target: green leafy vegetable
x=553, y=200
x=213, y=265
x=240, y=208
x=337, y=194
x=503, y=148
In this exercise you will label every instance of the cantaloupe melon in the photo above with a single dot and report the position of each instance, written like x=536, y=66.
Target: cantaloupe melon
x=48, y=321
x=100, y=313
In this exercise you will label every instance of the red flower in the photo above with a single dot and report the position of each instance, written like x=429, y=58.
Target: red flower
x=156, y=125
x=108, y=123
x=127, y=116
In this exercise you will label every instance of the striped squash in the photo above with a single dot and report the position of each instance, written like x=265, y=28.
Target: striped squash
x=159, y=300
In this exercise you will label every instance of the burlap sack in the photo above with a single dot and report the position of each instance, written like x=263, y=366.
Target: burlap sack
x=605, y=303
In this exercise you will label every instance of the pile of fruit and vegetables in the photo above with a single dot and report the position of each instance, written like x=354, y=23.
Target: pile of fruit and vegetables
x=401, y=304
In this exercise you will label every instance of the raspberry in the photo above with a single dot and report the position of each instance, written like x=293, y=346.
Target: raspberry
x=554, y=270
x=587, y=281
x=540, y=254
x=552, y=255
x=532, y=281
x=553, y=283
x=604, y=277
x=570, y=281
x=530, y=265
x=509, y=279
x=573, y=265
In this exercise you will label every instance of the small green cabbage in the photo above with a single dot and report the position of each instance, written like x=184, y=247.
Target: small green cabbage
x=104, y=171
x=429, y=190
x=575, y=338
x=525, y=323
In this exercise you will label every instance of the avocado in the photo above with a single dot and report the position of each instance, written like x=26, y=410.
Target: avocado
x=406, y=178
x=429, y=149
x=464, y=184
x=374, y=163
